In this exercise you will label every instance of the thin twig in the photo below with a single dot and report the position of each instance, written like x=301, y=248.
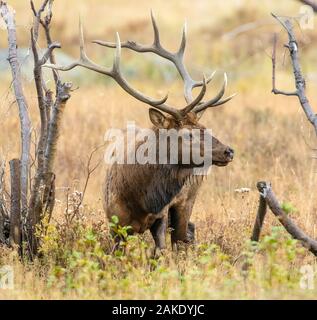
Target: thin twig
x=90, y=170
x=274, y=89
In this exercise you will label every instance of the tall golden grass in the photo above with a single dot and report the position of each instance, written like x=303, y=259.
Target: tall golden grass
x=270, y=134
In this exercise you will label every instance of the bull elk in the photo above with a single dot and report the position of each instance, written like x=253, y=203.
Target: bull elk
x=151, y=196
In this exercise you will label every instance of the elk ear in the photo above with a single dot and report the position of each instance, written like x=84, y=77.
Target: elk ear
x=158, y=118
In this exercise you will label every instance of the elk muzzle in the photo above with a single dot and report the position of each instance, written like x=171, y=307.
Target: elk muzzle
x=222, y=155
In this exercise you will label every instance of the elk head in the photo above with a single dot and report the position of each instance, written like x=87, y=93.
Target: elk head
x=162, y=115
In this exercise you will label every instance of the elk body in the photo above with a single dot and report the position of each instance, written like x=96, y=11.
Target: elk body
x=153, y=195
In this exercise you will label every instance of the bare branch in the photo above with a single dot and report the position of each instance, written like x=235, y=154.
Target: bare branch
x=46, y=26
x=274, y=90
x=267, y=193
x=37, y=15
x=90, y=169
x=298, y=76
x=48, y=53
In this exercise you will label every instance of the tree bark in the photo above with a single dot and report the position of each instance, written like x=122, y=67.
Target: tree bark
x=15, y=211
x=300, y=83
x=25, y=123
x=259, y=219
x=3, y=213
x=63, y=94
x=2, y=219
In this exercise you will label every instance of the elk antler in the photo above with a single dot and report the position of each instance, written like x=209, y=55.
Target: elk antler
x=177, y=59
x=216, y=100
x=114, y=72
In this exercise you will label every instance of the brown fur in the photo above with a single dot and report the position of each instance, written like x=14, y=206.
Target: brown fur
x=147, y=196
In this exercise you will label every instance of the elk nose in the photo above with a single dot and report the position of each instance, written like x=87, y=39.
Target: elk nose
x=229, y=153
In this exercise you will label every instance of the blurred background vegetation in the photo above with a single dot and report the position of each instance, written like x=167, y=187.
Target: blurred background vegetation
x=231, y=35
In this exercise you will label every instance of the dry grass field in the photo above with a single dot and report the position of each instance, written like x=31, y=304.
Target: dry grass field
x=272, y=140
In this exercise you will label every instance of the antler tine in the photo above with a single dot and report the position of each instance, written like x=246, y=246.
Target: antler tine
x=219, y=103
x=117, y=75
x=82, y=52
x=182, y=46
x=208, y=79
x=156, y=31
x=117, y=55
x=114, y=73
x=216, y=101
x=201, y=95
x=83, y=60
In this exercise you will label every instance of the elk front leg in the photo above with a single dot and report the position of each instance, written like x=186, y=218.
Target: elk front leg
x=191, y=232
x=179, y=224
x=182, y=229
x=158, y=231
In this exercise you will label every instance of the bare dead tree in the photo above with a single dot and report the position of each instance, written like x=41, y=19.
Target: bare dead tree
x=45, y=106
x=25, y=123
x=300, y=82
x=267, y=196
x=43, y=192
x=50, y=108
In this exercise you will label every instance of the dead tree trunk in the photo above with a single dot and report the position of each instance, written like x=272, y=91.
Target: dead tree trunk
x=15, y=211
x=42, y=193
x=63, y=94
x=259, y=219
x=25, y=123
x=3, y=214
x=2, y=237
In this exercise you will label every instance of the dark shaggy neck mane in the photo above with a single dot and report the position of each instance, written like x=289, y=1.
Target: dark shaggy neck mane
x=164, y=182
